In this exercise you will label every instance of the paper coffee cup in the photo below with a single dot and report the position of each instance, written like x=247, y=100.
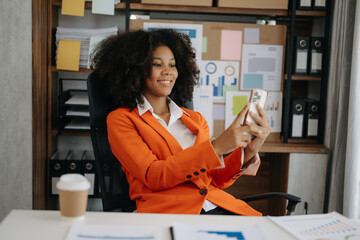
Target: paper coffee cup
x=73, y=195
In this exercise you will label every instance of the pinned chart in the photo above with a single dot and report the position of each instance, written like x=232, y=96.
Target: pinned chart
x=236, y=100
x=222, y=76
x=320, y=226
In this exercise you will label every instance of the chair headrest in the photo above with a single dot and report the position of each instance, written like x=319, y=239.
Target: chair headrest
x=100, y=105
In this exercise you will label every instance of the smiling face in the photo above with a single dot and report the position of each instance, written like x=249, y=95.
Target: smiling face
x=163, y=74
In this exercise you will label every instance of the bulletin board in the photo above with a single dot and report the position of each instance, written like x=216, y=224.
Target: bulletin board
x=258, y=49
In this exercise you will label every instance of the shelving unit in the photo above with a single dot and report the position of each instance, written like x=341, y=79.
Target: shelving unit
x=47, y=76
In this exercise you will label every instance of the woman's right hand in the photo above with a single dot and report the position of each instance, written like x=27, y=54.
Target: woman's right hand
x=233, y=137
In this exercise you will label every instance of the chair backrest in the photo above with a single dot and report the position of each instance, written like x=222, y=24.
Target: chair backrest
x=113, y=184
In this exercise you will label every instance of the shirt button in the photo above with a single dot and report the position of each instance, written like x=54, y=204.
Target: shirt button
x=196, y=173
x=203, y=191
x=188, y=176
x=202, y=170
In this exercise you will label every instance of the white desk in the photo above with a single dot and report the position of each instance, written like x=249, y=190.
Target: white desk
x=36, y=224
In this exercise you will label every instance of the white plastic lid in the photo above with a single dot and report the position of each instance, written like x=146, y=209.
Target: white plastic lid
x=73, y=182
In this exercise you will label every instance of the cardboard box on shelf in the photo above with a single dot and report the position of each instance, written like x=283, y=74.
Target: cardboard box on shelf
x=204, y=3
x=259, y=4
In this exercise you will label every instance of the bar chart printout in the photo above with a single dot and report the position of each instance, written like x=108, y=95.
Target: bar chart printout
x=193, y=232
x=331, y=226
x=100, y=232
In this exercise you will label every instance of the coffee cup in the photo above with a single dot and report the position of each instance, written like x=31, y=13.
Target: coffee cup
x=73, y=196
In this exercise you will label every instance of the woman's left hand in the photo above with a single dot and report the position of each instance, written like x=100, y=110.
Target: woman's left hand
x=260, y=131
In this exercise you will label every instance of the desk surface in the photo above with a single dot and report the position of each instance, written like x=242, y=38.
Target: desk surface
x=38, y=224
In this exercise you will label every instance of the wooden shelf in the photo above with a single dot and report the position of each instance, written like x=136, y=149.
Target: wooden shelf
x=53, y=69
x=55, y=132
x=293, y=148
x=57, y=3
x=191, y=9
x=303, y=78
x=210, y=10
x=310, y=13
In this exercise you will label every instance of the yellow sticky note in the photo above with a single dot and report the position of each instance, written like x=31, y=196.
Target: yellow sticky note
x=239, y=103
x=73, y=7
x=68, y=55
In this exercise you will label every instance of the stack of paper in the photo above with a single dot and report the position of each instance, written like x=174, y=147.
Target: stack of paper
x=85, y=36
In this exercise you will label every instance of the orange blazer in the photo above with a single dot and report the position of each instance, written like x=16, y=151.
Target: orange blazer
x=163, y=177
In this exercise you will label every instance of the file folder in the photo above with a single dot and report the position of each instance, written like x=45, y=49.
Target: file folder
x=311, y=120
x=301, y=55
x=315, y=60
x=319, y=5
x=297, y=118
x=89, y=171
x=72, y=165
x=304, y=4
x=57, y=168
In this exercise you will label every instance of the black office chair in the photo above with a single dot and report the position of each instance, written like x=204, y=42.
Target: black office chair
x=113, y=183
x=114, y=188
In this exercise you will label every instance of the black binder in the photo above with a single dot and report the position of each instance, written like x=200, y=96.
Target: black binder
x=319, y=5
x=297, y=118
x=72, y=165
x=316, y=56
x=301, y=55
x=57, y=168
x=304, y=4
x=311, y=119
x=89, y=172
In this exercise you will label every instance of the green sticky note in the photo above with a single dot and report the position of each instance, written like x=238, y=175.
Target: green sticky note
x=239, y=103
x=204, y=44
x=229, y=88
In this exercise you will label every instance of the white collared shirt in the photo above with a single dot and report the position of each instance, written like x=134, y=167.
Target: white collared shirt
x=177, y=129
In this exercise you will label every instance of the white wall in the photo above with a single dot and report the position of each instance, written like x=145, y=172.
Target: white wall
x=15, y=106
x=307, y=180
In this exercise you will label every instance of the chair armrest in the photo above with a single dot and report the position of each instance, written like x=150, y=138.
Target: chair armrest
x=292, y=200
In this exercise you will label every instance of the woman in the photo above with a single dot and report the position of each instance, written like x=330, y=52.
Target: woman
x=170, y=162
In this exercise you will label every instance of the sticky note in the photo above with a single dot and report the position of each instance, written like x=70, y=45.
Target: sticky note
x=73, y=7
x=251, y=35
x=253, y=81
x=103, y=7
x=229, y=88
x=204, y=44
x=230, y=48
x=68, y=55
x=239, y=103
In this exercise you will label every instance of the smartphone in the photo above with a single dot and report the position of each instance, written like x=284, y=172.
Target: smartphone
x=257, y=96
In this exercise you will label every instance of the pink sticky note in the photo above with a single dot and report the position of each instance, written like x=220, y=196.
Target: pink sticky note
x=231, y=41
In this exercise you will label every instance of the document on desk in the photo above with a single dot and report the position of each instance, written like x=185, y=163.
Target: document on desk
x=320, y=226
x=99, y=232
x=182, y=231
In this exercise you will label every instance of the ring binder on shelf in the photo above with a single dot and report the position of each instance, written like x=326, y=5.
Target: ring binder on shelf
x=297, y=118
x=315, y=60
x=72, y=165
x=304, y=4
x=311, y=119
x=89, y=171
x=57, y=168
x=301, y=55
x=319, y=5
